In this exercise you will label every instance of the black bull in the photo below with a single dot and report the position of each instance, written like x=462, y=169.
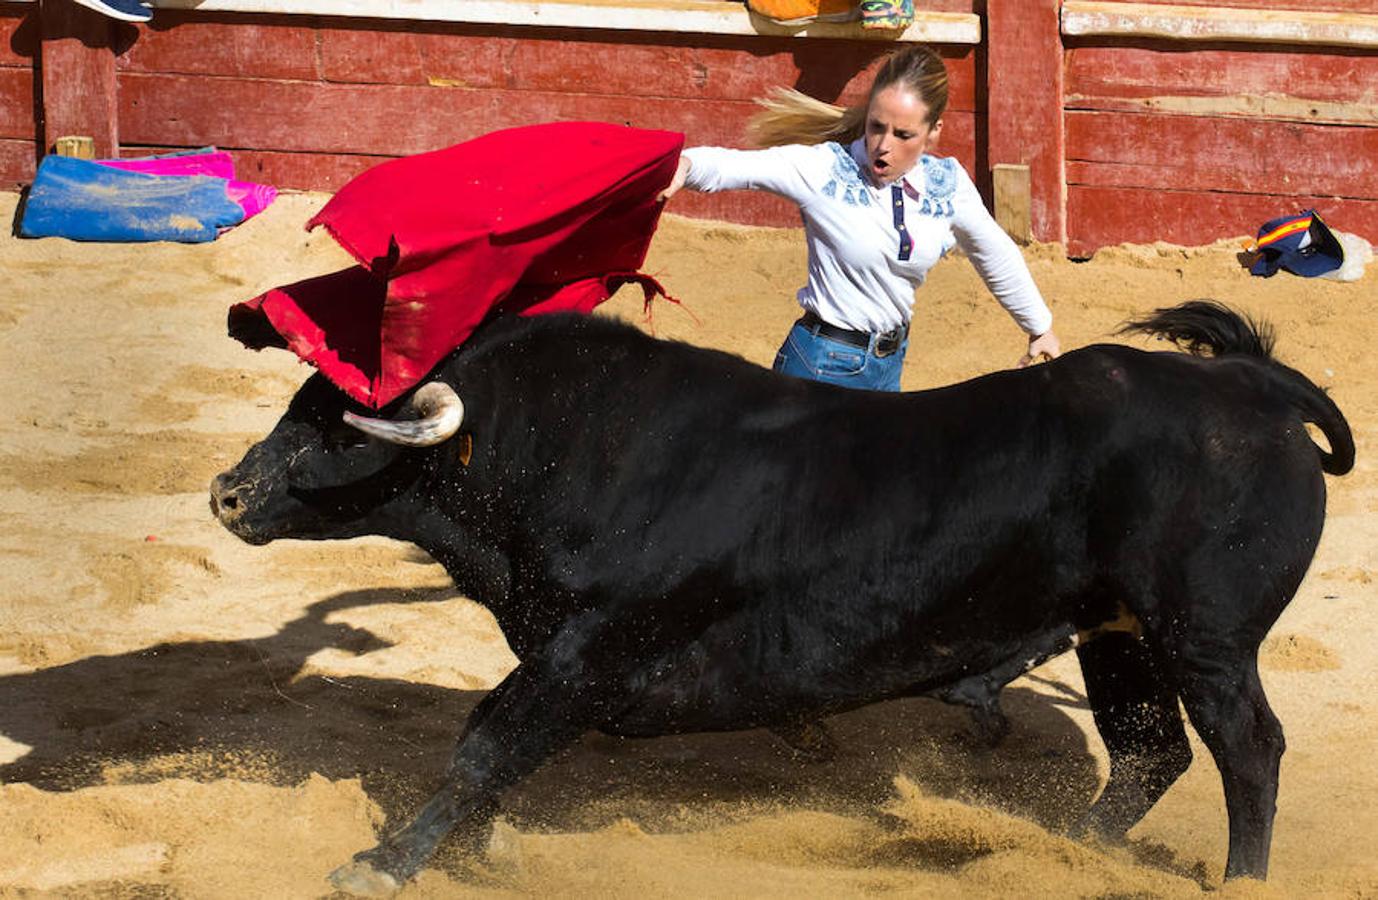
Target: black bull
x=675, y=540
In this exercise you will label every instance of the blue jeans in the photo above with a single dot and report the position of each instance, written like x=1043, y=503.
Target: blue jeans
x=817, y=358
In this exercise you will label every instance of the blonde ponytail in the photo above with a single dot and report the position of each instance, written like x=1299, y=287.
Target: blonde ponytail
x=789, y=117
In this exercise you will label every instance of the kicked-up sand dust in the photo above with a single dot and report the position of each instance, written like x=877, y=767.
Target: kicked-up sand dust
x=182, y=715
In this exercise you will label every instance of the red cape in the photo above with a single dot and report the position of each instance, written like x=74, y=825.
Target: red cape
x=536, y=219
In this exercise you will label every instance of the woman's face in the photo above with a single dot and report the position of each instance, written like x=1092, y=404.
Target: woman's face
x=897, y=132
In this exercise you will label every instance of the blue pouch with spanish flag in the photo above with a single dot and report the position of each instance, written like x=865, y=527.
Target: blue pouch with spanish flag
x=1302, y=244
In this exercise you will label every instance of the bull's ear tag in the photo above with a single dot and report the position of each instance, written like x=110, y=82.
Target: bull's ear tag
x=466, y=448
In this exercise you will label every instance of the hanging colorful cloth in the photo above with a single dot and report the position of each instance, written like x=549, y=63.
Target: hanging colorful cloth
x=804, y=12
x=887, y=15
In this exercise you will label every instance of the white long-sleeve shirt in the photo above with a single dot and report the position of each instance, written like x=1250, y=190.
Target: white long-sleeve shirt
x=856, y=279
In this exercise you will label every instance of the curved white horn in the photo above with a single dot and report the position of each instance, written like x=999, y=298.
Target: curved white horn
x=441, y=413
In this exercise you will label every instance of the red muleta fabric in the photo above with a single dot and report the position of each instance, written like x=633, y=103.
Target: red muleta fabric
x=537, y=219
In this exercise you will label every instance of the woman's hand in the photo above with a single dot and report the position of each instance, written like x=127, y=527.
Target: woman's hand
x=677, y=182
x=1041, y=347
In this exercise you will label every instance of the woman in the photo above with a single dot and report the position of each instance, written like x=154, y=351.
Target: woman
x=878, y=213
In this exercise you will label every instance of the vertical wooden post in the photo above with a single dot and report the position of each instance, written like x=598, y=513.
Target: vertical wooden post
x=1025, y=86
x=1013, y=200
x=77, y=76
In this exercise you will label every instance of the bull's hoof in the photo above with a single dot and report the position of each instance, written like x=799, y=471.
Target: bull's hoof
x=360, y=879
x=991, y=725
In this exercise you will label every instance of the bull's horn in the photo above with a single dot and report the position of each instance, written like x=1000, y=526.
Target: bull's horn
x=441, y=413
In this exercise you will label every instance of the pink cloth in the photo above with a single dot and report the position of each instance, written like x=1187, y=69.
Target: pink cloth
x=252, y=198
x=218, y=164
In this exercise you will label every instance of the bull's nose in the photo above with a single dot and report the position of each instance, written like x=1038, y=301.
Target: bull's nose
x=227, y=504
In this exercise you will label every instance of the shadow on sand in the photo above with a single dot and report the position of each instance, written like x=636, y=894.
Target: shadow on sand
x=243, y=700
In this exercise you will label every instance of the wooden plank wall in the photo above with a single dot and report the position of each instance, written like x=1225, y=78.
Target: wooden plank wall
x=310, y=103
x=1189, y=142
x=1127, y=140
x=1024, y=50
x=19, y=40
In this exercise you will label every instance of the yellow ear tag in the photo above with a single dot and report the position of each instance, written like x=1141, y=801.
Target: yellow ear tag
x=466, y=448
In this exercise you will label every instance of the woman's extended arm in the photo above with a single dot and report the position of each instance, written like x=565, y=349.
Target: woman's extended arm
x=779, y=170
x=1001, y=266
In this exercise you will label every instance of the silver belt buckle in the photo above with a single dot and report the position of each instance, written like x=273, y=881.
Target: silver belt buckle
x=887, y=343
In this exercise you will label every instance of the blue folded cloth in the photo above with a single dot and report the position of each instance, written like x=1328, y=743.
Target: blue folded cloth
x=86, y=201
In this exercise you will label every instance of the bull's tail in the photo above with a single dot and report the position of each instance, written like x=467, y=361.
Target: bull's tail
x=1205, y=327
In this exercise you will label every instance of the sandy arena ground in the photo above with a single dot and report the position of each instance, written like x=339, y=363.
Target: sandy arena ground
x=182, y=715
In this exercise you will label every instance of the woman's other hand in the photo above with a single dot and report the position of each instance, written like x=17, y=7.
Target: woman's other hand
x=677, y=182
x=1041, y=347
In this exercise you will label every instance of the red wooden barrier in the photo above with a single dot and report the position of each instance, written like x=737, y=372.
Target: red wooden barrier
x=1025, y=111
x=309, y=104
x=78, y=75
x=1188, y=142
x=1126, y=139
x=19, y=42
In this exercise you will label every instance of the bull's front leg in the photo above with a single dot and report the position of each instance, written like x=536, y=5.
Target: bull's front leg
x=465, y=801
x=543, y=706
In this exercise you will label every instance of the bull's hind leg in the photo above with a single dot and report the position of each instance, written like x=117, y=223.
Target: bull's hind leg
x=1135, y=708
x=1228, y=709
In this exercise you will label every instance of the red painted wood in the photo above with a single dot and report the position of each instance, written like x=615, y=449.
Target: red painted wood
x=1101, y=216
x=376, y=119
x=18, y=161
x=1311, y=111
x=1096, y=75
x=841, y=71
x=18, y=34
x=396, y=54
x=630, y=63
x=78, y=74
x=398, y=120
x=301, y=171
x=1128, y=175
x=959, y=140
x=16, y=104
x=1161, y=151
x=200, y=44
x=1025, y=102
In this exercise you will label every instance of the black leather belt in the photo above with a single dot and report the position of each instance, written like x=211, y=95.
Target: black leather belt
x=887, y=342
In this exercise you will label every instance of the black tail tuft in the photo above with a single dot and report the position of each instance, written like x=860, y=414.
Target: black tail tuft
x=1204, y=327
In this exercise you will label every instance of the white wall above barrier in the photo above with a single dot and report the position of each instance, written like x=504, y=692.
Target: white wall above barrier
x=1094, y=18
x=686, y=16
